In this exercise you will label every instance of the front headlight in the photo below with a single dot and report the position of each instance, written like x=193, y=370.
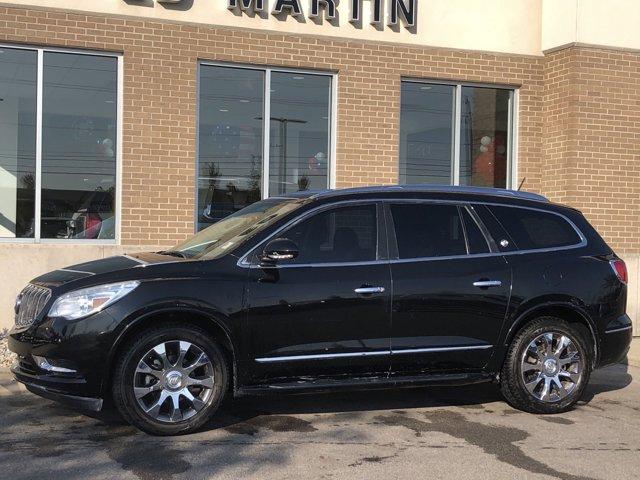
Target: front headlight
x=84, y=302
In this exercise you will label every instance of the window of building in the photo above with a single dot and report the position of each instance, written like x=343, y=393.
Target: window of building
x=261, y=133
x=428, y=230
x=454, y=134
x=58, y=144
x=533, y=229
x=344, y=234
x=18, y=92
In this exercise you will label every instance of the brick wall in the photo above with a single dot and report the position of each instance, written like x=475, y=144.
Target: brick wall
x=160, y=100
x=591, y=153
x=579, y=127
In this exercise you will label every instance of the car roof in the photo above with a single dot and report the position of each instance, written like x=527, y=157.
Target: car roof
x=416, y=189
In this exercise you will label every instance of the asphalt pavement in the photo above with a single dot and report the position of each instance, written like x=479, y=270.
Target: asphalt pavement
x=435, y=433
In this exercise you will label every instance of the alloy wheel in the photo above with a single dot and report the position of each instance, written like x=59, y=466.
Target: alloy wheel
x=173, y=381
x=551, y=367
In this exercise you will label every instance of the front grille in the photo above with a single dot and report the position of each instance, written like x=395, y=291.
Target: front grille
x=31, y=302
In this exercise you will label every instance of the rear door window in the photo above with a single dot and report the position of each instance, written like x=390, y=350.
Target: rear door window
x=503, y=241
x=428, y=230
x=535, y=229
x=475, y=238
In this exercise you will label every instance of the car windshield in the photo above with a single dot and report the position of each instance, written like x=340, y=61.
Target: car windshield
x=228, y=233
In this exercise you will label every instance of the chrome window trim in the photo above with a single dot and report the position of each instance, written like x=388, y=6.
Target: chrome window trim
x=467, y=203
x=245, y=263
x=583, y=239
x=322, y=265
x=329, y=356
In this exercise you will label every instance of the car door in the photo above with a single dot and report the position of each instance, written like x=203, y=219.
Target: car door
x=326, y=313
x=451, y=288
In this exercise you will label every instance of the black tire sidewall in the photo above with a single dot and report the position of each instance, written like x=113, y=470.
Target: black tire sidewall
x=124, y=397
x=521, y=342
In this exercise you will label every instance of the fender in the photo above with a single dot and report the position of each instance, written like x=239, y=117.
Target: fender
x=575, y=306
x=174, y=305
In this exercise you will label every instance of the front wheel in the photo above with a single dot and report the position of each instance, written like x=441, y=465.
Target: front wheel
x=170, y=380
x=547, y=367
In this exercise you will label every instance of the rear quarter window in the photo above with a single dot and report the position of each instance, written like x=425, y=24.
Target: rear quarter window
x=535, y=229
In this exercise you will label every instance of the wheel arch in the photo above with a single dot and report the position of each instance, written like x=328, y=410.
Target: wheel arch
x=565, y=310
x=210, y=322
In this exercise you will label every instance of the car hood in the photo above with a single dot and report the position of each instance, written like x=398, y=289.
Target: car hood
x=103, y=266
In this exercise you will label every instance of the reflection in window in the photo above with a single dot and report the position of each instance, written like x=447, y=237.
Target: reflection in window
x=299, y=142
x=426, y=133
x=231, y=137
x=79, y=133
x=429, y=115
x=427, y=230
x=18, y=75
x=230, y=141
x=345, y=234
x=531, y=229
x=484, y=137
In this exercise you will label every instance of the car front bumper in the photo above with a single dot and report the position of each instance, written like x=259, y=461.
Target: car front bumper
x=64, y=361
x=67, y=388
x=36, y=386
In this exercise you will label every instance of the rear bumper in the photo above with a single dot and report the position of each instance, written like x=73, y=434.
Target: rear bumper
x=615, y=341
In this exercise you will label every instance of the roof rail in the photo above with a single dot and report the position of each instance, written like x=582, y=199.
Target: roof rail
x=495, y=192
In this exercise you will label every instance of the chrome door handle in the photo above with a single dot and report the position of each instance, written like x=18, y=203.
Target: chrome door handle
x=487, y=283
x=369, y=290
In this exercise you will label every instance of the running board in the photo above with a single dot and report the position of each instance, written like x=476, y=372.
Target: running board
x=365, y=383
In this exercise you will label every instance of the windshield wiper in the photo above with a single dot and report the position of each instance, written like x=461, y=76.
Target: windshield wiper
x=173, y=253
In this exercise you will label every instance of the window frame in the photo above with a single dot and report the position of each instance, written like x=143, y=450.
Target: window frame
x=512, y=143
x=494, y=250
x=250, y=259
x=40, y=51
x=394, y=253
x=266, y=130
x=387, y=246
x=582, y=239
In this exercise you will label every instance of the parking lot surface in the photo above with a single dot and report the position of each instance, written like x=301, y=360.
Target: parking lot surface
x=447, y=433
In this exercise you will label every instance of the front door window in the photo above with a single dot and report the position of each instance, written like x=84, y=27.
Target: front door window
x=346, y=234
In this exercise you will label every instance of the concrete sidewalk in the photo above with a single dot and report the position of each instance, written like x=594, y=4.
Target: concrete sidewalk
x=633, y=357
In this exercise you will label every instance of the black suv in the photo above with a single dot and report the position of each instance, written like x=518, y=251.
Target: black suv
x=361, y=288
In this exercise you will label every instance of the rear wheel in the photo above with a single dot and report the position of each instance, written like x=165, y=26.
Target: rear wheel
x=547, y=367
x=170, y=380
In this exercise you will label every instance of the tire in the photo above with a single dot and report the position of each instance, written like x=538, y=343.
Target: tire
x=193, y=365
x=530, y=366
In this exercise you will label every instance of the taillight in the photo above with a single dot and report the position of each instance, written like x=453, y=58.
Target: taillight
x=92, y=224
x=620, y=269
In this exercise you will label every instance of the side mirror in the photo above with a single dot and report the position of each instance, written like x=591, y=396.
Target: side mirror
x=279, y=249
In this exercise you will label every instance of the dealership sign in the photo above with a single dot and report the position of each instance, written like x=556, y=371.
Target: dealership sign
x=398, y=11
